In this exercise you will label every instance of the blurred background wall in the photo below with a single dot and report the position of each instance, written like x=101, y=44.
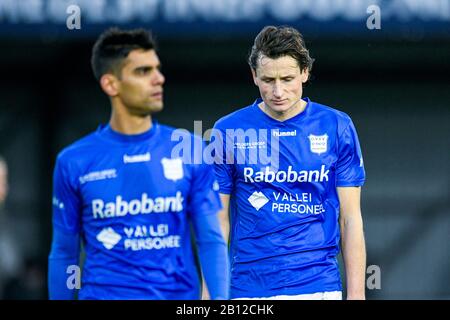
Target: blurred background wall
x=393, y=81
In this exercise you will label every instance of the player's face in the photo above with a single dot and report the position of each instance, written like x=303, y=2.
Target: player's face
x=280, y=82
x=3, y=182
x=141, y=83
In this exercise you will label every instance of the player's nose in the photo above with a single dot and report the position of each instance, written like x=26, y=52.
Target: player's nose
x=159, y=78
x=277, y=91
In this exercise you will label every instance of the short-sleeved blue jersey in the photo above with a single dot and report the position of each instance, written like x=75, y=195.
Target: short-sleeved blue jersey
x=282, y=178
x=131, y=201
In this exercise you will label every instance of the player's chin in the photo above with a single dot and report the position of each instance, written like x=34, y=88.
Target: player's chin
x=155, y=107
x=147, y=110
x=279, y=107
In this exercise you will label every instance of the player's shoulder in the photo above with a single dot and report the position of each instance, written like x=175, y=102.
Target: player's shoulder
x=331, y=116
x=167, y=130
x=330, y=112
x=235, y=118
x=189, y=144
x=169, y=133
x=79, y=148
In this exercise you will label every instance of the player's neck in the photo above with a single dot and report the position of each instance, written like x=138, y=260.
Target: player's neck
x=126, y=123
x=294, y=110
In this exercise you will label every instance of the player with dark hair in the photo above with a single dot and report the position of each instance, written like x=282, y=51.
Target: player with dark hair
x=290, y=211
x=122, y=193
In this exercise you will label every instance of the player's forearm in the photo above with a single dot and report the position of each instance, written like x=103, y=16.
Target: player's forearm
x=214, y=261
x=224, y=217
x=64, y=253
x=225, y=225
x=354, y=255
x=58, y=288
x=225, y=228
x=213, y=255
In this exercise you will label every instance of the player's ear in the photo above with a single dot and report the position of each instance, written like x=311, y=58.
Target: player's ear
x=110, y=84
x=254, y=76
x=304, y=75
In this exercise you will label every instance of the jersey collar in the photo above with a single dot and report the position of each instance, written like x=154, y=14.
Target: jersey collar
x=106, y=132
x=301, y=115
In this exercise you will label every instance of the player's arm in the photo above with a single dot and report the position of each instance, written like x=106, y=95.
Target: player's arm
x=213, y=255
x=224, y=171
x=224, y=219
x=224, y=216
x=64, y=253
x=223, y=174
x=204, y=205
x=65, y=247
x=352, y=241
x=350, y=177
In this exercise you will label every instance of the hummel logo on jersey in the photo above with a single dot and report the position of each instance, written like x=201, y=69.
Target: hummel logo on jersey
x=267, y=175
x=145, y=205
x=277, y=133
x=108, y=237
x=258, y=200
x=136, y=158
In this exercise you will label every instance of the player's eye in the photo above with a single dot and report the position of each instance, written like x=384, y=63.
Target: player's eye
x=143, y=71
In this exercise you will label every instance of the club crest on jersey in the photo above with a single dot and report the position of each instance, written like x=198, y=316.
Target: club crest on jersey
x=172, y=168
x=318, y=144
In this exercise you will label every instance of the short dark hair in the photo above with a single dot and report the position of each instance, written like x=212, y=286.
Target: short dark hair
x=275, y=42
x=113, y=46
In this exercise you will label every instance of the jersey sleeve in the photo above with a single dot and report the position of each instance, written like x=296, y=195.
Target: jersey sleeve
x=66, y=230
x=213, y=256
x=223, y=166
x=350, y=166
x=64, y=254
x=66, y=201
x=203, y=196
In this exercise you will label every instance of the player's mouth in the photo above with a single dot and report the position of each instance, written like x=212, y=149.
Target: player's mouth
x=157, y=95
x=278, y=102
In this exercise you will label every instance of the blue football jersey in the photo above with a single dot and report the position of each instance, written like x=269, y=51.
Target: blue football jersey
x=131, y=199
x=282, y=178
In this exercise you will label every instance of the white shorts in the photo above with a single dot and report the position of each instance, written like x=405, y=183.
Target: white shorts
x=328, y=295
